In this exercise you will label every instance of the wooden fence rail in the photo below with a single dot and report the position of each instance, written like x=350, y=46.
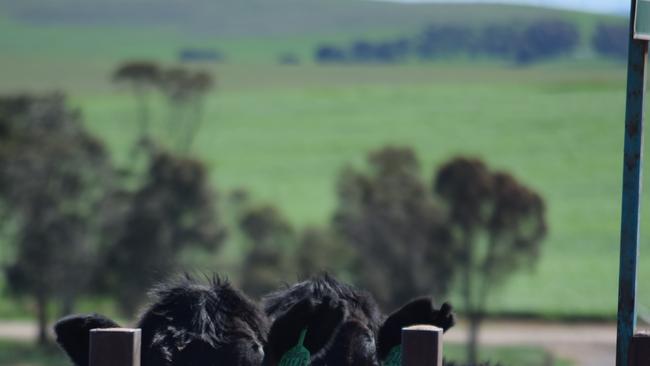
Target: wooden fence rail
x=421, y=345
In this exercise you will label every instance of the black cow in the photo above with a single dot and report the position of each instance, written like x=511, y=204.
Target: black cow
x=188, y=324
x=344, y=325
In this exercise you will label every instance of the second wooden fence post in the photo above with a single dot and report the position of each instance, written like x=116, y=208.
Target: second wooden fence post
x=422, y=346
x=639, y=354
x=115, y=347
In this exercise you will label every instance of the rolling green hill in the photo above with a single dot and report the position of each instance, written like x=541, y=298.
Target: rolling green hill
x=246, y=18
x=251, y=31
x=74, y=44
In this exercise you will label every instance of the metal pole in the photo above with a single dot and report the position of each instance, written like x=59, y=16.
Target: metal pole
x=632, y=166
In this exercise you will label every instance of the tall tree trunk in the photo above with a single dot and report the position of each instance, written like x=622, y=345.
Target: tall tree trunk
x=41, y=309
x=142, y=143
x=194, y=123
x=67, y=305
x=472, y=342
x=143, y=111
x=470, y=299
x=177, y=123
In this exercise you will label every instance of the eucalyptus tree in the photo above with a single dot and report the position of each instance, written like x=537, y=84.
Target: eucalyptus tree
x=171, y=212
x=387, y=215
x=270, y=262
x=143, y=77
x=55, y=184
x=497, y=225
x=185, y=91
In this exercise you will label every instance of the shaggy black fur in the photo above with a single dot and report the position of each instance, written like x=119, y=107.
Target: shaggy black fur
x=188, y=324
x=340, y=320
x=343, y=323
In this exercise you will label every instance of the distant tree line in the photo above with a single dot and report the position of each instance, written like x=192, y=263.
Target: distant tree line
x=200, y=55
x=611, y=40
x=519, y=43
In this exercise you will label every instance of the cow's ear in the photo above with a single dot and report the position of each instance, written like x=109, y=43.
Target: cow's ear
x=73, y=334
x=418, y=311
x=445, y=317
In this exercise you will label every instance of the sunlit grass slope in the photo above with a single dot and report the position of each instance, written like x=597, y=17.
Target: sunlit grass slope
x=285, y=133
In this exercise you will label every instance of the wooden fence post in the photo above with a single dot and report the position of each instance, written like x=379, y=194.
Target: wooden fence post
x=115, y=347
x=422, y=346
x=639, y=354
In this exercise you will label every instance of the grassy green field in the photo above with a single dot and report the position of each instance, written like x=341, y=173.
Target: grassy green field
x=23, y=354
x=284, y=132
x=558, y=130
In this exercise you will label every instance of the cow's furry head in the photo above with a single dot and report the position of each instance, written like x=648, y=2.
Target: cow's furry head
x=344, y=324
x=340, y=321
x=187, y=323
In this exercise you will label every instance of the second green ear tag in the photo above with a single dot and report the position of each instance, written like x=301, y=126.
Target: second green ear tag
x=298, y=355
x=394, y=357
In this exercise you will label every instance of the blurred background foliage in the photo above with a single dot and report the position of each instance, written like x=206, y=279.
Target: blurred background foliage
x=453, y=150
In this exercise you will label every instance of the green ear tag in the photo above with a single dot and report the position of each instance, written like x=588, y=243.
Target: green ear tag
x=394, y=357
x=298, y=355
